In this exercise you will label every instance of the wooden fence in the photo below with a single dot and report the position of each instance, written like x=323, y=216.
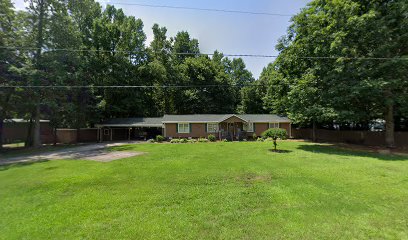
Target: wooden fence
x=367, y=138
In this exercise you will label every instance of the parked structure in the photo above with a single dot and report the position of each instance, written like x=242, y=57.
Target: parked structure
x=223, y=126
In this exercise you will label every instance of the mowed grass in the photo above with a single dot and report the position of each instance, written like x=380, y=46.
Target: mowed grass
x=210, y=191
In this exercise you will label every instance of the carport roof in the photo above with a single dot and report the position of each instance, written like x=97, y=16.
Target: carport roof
x=132, y=122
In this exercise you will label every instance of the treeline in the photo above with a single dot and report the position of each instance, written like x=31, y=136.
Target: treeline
x=342, y=64
x=78, y=43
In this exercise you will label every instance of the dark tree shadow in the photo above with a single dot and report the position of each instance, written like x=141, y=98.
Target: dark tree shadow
x=10, y=165
x=279, y=151
x=335, y=150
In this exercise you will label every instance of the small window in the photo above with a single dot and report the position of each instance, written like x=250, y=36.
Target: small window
x=106, y=132
x=274, y=125
x=212, y=127
x=183, y=128
x=249, y=127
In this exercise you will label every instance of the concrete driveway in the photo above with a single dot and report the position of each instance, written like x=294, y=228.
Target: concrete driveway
x=93, y=152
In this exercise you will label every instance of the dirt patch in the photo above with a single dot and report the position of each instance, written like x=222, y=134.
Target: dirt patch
x=94, y=152
x=253, y=178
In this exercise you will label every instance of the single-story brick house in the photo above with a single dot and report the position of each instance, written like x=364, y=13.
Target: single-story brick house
x=223, y=126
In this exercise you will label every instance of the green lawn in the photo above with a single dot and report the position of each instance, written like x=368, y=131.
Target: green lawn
x=210, y=191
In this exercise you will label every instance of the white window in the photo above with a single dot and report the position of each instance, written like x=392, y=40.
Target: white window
x=183, y=128
x=249, y=127
x=212, y=127
x=274, y=125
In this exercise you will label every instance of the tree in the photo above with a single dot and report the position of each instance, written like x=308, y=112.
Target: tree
x=275, y=134
x=353, y=85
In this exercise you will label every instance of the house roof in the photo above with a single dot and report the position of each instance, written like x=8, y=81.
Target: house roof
x=132, y=122
x=222, y=117
x=195, y=118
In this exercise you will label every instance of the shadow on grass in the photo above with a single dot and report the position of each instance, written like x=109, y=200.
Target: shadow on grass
x=334, y=150
x=279, y=151
x=9, y=165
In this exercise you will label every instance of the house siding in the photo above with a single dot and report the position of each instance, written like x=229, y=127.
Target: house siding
x=197, y=130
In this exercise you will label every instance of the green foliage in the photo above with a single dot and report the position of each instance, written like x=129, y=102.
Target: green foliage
x=203, y=140
x=175, y=140
x=274, y=134
x=183, y=140
x=159, y=138
x=347, y=90
x=151, y=141
x=260, y=139
x=225, y=140
x=212, y=138
x=254, y=136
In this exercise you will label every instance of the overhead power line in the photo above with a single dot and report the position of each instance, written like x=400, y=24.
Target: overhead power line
x=129, y=86
x=200, y=9
x=209, y=54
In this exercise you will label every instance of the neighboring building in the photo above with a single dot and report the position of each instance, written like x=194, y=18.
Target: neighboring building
x=16, y=130
x=223, y=126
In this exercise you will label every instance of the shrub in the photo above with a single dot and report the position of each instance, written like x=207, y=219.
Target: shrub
x=151, y=141
x=225, y=140
x=159, y=138
x=274, y=134
x=183, y=140
x=212, y=138
x=260, y=140
x=202, y=140
x=175, y=141
x=192, y=141
x=254, y=136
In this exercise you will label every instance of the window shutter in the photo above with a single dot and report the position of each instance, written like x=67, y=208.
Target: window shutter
x=189, y=127
x=177, y=130
x=206, y=127
x=254, y=127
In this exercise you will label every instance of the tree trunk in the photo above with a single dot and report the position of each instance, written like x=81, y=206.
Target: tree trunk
x=389, y=126
x=54, y=135
x=40, y=43
x=314, y=132
x=1, y=131
x=37, y=128
x=29, y=140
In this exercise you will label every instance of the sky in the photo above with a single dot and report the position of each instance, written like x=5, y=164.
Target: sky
x=230, y=33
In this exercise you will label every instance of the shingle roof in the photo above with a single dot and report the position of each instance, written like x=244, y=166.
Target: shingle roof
x=220, y=117
x=133, y=122
x=199, y=118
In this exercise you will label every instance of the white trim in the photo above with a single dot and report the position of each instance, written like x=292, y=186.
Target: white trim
x=274, y=124
x=251, y=130
x=217, y=129
x=184, y=123
x=233, y=115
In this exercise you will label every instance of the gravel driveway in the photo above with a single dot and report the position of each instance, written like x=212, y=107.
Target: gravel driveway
x=93, y=152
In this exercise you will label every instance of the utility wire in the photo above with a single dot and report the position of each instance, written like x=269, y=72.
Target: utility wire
x=199, y=9
x=130, y=86
x=209, y=54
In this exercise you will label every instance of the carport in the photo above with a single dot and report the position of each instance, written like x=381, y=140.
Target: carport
x=129, y=129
